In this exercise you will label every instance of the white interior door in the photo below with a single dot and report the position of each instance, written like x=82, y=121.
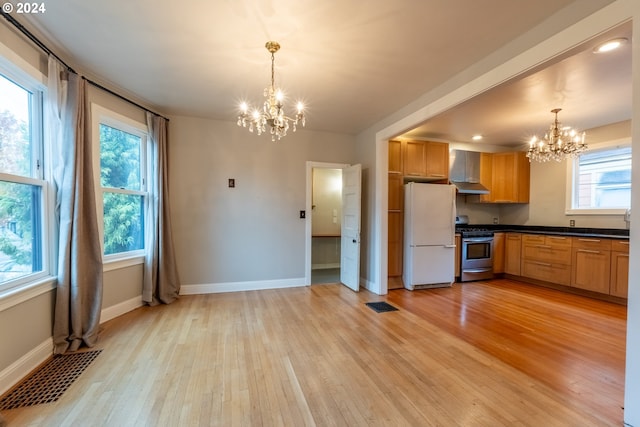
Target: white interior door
x=350, y=230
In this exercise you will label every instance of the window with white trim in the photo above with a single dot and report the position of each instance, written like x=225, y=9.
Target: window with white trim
x=24, y=251
x=601, y=180
x=122, y=183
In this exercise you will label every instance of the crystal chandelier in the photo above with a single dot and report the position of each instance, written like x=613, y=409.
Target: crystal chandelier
x=272, y=113
x=558, y=143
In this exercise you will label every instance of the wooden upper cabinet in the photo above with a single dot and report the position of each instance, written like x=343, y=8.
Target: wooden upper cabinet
x=414, y=158
x=486, y=175
x=509, y=178
x=437, y=160
x=395, y=156
x=426, y=159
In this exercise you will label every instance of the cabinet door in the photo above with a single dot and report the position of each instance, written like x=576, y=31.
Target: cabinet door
x=510, y=178
x=395, y=249
x=512, y=254
x=413, y=158
x=486, y=167
x=502, y=184
x=498, y=253
x=591, y=269
x=458, y=255
x=619, y=274
x=437, y=160
x=396, y=192
x=395, y=156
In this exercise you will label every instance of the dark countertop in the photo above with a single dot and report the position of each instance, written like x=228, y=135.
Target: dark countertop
x=610, y=233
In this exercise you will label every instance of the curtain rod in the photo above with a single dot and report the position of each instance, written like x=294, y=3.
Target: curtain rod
x=48, y=51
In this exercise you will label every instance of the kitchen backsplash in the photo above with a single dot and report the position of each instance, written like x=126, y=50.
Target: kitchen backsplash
x=478, y=213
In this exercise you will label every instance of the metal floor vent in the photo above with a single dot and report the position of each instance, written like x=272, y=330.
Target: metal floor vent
x=50, y=381
x=380, y=307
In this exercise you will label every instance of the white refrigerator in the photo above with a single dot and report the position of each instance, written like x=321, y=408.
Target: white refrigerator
x=429, y=235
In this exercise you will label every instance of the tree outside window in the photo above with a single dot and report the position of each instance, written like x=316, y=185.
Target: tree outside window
x=122, y=182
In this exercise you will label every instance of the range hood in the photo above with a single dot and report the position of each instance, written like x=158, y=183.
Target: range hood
x=465, y=172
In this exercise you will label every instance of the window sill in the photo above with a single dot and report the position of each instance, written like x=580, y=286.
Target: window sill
x=14, y=296
x=620, y=212
x=120, y=263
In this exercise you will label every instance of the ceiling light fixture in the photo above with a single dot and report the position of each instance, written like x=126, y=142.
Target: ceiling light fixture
x=610, y=45
x=272, y=113
x=476, y=137
x=558, y=143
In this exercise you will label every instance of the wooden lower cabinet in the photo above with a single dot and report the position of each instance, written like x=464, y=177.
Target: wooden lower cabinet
x=546, y=271
x=547, y=258
x=394, y=266
x=591, y=264
x=498, y=253
x=512, y=253
x=457, y=266
x=619, y=283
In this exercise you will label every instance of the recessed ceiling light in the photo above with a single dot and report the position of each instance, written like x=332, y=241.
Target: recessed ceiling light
x=476, y=137
x=610, y=45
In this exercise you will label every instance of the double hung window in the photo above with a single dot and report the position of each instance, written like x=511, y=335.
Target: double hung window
x=601, y=180
x=123, y=195
x=23, y=189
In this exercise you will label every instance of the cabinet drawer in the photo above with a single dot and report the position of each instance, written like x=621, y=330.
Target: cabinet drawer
x=558, y=241
x=548, y=272
x=547, y=253
x=592, y=243
x=620, y=246
x=532, y=238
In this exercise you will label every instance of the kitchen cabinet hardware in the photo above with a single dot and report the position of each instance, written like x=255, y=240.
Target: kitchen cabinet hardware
x=590, y=240
x=588, y=251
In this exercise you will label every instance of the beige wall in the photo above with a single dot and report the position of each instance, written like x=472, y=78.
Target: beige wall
x=250, y=233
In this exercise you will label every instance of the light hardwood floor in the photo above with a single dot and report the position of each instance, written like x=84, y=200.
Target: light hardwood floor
x=478, y=354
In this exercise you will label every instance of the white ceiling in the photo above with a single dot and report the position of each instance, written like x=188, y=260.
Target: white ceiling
x=353, y=62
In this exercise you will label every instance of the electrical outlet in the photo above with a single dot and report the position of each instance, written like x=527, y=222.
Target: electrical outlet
x=495, y=220
x=232, y=183
x=303, y=214
x=572, y=223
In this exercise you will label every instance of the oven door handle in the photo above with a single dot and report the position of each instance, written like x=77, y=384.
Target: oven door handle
x=476, y=270
x=477, y=239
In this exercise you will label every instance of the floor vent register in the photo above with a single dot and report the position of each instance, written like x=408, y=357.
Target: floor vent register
x=50, y=381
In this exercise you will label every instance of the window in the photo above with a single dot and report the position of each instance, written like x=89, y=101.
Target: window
x=122, y=166
x=22, y=186
x=601, y=180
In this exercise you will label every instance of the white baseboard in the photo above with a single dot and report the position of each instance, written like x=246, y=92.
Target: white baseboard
x=215, y=288
x=119, y=309
x=19, y=369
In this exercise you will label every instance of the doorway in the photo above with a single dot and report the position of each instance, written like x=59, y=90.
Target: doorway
x=324, y=204
x=326, y=214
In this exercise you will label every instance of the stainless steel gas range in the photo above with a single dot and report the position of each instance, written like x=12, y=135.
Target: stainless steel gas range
x=476, y=260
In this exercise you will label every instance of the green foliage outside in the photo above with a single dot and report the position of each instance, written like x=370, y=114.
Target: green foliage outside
x=17, y=215
x=120, y=169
